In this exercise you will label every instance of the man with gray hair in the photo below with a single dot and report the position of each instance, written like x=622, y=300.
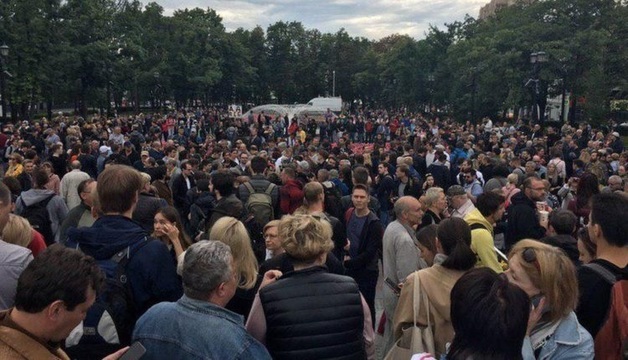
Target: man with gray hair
x=401, y=256
x=70, y=183
x=170, y=330
x=615, y=183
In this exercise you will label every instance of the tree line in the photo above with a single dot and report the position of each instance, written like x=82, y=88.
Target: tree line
x=102, y=53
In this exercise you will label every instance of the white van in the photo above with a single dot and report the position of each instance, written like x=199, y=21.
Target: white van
x=332, y=103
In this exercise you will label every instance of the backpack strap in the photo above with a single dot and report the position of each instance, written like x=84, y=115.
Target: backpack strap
x=47, y=200
x=249, y=188
x=122, y=258
x=477, y=226
x=270, y=188
x=602, y=271
x=44, y=201
x=348, y=214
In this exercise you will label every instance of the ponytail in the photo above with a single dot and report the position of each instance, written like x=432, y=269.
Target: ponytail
x=455, y=237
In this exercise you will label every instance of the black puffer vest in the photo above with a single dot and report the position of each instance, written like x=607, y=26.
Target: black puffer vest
x=312, y=314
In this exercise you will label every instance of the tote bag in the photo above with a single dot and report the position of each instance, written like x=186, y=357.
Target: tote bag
x=415, y=338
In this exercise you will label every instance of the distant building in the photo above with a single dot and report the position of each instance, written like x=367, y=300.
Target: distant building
x=495, y=5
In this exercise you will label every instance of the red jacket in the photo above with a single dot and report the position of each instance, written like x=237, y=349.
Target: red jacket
x=290, y=196
x=37, y=244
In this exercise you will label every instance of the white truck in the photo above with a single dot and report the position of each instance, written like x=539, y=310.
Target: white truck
x=332, y=103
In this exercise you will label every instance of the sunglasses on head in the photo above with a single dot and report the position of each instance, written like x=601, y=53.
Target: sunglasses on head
x=529, y=255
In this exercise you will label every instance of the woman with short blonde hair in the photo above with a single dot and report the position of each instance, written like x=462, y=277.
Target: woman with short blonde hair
x=310, y=312
x=19, y=231
x=305, y=240
x=547, y=275
x=436, y=203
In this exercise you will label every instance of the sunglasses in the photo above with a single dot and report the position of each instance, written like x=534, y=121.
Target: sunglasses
x=529, y=255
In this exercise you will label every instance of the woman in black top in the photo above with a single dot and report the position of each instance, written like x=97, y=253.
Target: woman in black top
x=436, y=203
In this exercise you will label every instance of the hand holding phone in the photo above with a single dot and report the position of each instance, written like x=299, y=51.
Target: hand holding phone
x=136, y=351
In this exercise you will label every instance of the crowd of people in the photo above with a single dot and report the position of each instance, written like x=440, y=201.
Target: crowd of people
x=200, y=235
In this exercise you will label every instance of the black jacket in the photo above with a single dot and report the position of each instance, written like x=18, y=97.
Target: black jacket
x=523, y=222
x=370, y=247
x=312, y=314
x=179, y=193
x=412, y=188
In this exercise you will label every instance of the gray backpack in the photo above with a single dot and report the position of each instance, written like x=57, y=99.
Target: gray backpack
x=260, y=204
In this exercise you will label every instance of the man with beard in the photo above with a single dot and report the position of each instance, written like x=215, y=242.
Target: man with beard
x=523, y=220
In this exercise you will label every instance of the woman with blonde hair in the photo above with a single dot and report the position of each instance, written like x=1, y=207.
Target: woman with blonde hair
x=19, y=231
x=436, y=203
x=310, y=313
x=54, y=183
x=15, y=165
x=232, y=232
x=548, y=277
x=511, y=188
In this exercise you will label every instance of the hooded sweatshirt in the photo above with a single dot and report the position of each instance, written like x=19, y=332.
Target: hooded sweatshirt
x=57, y=209
x=151, y=271
x=482, y=241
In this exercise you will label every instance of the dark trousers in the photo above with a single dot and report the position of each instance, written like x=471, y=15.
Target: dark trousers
x=367, y=282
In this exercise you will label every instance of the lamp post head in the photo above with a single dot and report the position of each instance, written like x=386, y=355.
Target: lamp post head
x=4, y=50
x=538, y=57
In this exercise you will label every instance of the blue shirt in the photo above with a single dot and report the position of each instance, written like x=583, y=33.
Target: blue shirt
x=195, y=329
x=354, y=230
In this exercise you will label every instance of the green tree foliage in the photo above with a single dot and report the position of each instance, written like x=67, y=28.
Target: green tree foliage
x=95, y=53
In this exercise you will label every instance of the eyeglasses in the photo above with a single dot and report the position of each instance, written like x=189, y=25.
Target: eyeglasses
x=529, y=256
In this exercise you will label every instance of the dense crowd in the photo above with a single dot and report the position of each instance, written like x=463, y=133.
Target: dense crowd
x=133, y=213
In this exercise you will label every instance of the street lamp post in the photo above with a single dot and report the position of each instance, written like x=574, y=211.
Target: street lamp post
x=333, y=86
x=474, y=89
x=4, y=53
x=536, y=59
x=430, y=79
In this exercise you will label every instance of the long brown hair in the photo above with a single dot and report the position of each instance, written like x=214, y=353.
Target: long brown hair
x=171, y=214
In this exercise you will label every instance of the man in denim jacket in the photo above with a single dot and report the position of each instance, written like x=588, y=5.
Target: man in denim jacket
x=198, y=326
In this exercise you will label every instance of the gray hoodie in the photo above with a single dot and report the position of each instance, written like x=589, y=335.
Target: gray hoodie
x=57, y=209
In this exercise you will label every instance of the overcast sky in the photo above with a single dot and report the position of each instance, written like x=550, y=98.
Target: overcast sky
x=373, y=19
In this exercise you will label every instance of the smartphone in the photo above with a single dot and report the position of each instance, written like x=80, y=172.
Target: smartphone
x=135, y=352
x=393, y=286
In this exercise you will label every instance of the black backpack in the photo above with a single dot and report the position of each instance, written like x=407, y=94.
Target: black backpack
x=333, y=205
x=109, y=323
x=37, y=215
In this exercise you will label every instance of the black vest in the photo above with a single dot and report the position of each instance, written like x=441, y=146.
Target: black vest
x=312, y=314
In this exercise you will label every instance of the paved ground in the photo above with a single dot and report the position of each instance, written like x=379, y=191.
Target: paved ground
x=379, y=310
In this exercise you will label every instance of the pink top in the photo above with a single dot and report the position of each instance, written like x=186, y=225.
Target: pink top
x=53, y=183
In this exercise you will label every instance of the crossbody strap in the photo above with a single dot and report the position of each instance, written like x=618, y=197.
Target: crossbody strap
x=420, y=295
x=604, y=272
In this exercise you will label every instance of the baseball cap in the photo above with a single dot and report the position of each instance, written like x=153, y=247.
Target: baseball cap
x=303, y=165
x=455, y=190
x=104, y=149
x=144, y=153
x=615, y=134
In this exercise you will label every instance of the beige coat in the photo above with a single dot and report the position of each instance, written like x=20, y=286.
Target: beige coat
x=15, y=345
x=437, y=282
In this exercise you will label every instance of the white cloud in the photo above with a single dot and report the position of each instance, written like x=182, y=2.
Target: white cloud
x=373, y=19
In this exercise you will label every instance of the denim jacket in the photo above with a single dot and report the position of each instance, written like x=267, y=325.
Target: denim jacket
x=195, y=329
x=570, y=341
